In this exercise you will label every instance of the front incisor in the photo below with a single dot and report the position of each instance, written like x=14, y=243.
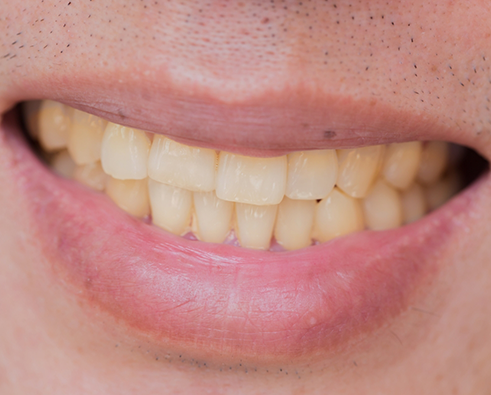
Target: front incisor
x=382, y=207
x=214, y=216
x=311, y=174
x=294, y=223
x=124, y=152
x=255, y=225
x=358, y=169
x=244, y=179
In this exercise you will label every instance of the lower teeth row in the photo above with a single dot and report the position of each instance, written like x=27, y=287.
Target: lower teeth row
x=292, y=201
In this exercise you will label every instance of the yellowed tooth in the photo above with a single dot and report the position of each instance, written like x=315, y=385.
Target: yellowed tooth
x=254, y=225
x=63, y=164
x=337, y=215
x=294, y=223
x=358, y=169
x=214, y=216
x=441, y=191
x=382, y=207
x=171, y=207
x=91, y=175
x=311, y=174
x=182, y=166
x=85, y=140
x=124, y=152
x=413, y=203
x=434, y=159
x=401, y=163
x=54, y=124
x=259, y=181
x=30, y=112
x=130, y=195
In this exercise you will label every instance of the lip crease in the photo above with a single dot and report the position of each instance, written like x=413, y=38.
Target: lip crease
x=219, y=299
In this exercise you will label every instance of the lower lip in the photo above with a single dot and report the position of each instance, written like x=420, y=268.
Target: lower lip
x=222, y=299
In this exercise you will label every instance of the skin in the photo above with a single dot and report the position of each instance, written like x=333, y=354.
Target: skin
x=414, y=60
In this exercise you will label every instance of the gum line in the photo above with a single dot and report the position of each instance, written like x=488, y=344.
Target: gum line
x=292, y=200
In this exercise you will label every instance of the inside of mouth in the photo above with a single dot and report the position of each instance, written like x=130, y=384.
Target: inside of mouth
x=281, y=203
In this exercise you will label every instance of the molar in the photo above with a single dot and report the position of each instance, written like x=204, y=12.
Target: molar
x=53, y=124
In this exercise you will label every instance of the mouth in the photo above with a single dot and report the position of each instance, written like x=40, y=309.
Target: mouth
x=223, y=252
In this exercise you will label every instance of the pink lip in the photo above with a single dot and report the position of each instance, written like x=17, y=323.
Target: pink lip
x=226, y=300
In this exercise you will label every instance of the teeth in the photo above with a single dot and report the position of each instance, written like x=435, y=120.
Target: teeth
x=337, y=215
x=214, y=216
x=382, y=207
x=91, y=175
x=54, y=124
x=84, y=143
x=181, y=165
x=413, y=203
x=434, y=159
x=171, y=207
x=442, y=190
x=255, y=225
x=311, y=174
x=358, y=169
x=130, y=195
x=63, y=164
x=402, y=163
x=294, y=223
x=260, y=181
x=30, y=111
x=124, y=152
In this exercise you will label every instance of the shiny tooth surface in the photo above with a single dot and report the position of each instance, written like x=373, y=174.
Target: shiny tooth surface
x=124, y=152
x=358, y=168
x=294, y=223
x=171, y=207
x=442, y=190
x=243, y=179
x=130, y=195
x=91, y=175
x=54, y=125
x=401, y=163
x=182, y=166
x=311, y=174
x=254, y=225
x=337, y=215
x=413, y=203
x=30, y=112
x=85, y=137
x=213, y=216
x=63, y=164
x=434, y=159
x=382, y=207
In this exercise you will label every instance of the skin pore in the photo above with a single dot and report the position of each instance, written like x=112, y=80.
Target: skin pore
x=263, y=78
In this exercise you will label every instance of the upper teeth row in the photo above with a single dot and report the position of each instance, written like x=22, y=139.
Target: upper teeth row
x=258, y=185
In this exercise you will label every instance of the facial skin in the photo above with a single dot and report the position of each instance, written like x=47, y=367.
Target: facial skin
x=261, y=78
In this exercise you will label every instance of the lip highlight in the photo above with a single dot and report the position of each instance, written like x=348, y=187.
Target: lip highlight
x=222, y=300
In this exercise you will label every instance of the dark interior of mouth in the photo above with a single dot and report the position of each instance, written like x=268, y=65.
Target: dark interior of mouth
x=277, y=204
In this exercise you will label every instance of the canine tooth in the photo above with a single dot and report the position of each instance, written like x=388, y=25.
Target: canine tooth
x=91, y=175
x=214, y=216
x=382, y=207
x=311, y=174
x=358, y=168
x=401, y=163
x=85, y=137
x=130, y=195
x=337, y=215
x=54, y=124
x=413, y=203
x=182, y=166
x=171, y=207
x=254, y=225
x=30, y=112
x=434, y=159
x=243, y=179
x=63, y=164
x=441, y=191
x=294, y=223
x=124, y=152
